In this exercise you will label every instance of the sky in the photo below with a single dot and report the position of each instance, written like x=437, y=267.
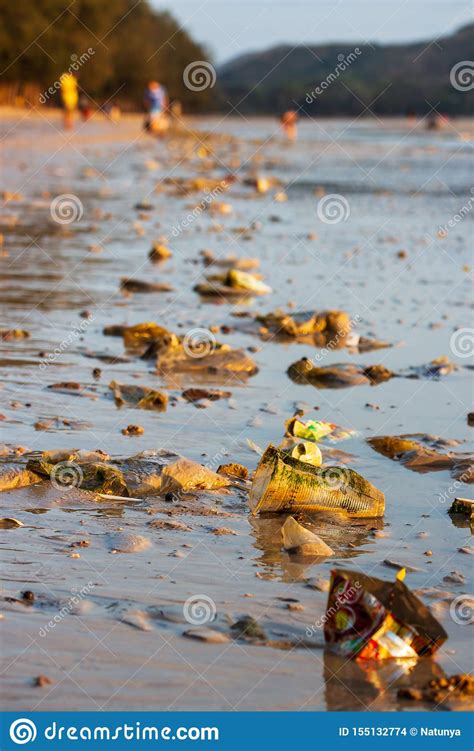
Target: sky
x=232, y=27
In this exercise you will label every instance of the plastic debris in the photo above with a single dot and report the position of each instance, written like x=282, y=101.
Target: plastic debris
x=282, y=483
x=138, y=396
x=308, y=453
x=301, y=541
x=415, y=452
x=316, y=430
x=185, y=475
x=370, y=618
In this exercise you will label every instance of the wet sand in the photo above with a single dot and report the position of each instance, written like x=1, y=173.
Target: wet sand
x=122, y=645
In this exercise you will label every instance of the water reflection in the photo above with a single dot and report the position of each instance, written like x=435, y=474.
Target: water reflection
x=347, y=537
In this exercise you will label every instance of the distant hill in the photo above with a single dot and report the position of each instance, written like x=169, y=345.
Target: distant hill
x=411, y=76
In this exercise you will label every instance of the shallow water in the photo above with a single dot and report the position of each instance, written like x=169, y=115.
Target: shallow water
x=401, y=186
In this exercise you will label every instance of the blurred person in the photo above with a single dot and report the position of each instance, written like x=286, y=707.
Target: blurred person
x=84, y=107
x=156, y=106
x=69, y=98
x=288, y=123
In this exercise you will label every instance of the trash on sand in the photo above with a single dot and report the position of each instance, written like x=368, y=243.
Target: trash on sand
x=248, y=628
x=234, y=283
x=196, y=394
x=9, y=334
x=370, y=618
x=8, y=522
x=133, y=430
x=316, y=430
x=301, y=541
x=338, y=375
x=282, y=483
x=159, y=252
x=137, y=285
x=307, y=452
x=233, y=470
x=414, y=451
x=14, y=476
x=334, y=322
x=209, y=358
x=230, y=261
x=145, y=333
x=439, y=690
x=184, y=475
x=464, y=506
x=138, y=396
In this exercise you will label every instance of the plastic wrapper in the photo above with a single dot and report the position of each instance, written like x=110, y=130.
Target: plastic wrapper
x=368, y=618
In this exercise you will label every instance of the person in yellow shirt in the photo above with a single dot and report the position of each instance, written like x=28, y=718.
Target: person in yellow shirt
x=69, y=98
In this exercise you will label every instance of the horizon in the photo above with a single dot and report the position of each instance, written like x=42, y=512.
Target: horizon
x=228, y=32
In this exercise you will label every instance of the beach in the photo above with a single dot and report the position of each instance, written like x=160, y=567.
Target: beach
x=398, y=262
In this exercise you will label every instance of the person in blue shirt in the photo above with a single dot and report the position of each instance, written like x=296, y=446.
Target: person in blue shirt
x=156, y=106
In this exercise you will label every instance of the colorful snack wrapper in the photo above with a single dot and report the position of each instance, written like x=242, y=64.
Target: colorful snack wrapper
x=369, y=618
x=316, y=430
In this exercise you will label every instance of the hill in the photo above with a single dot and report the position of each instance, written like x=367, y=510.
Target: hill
x=344, y=79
